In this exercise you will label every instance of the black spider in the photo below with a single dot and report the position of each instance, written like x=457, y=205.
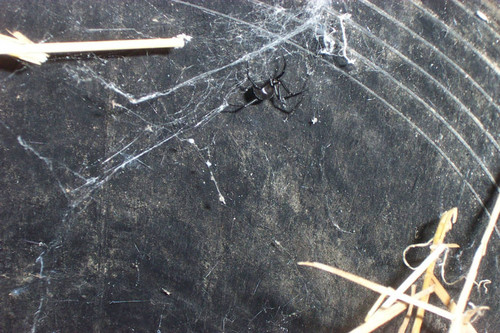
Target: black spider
x=270, y=90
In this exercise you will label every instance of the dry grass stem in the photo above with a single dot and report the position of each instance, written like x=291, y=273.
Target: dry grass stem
x=382, y=316
x=445, y=224
x=406, y=320
x=21, y=47
x=459, y=315
x=397, y=301
x=425, y=265
x=379, y=288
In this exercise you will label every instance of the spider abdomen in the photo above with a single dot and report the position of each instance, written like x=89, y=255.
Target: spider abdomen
x=264, y=93
x=273, y=90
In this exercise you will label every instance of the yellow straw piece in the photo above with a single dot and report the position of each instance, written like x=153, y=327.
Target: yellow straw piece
x=397, y=301
x=21, y=47
x=380, y=288
x=459, y=312
x=9, y=46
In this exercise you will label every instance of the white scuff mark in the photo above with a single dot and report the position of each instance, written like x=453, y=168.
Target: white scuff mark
x=209, y=165
x=343, y=18
x=98, y=30
x=18, y=291
x=212, y=178
x=40, y=260
x=36, y=316
x=119, y=152
x=221, y=197
x=337, y=226
x=482, y=16
x=26, y=146
x=211, y=270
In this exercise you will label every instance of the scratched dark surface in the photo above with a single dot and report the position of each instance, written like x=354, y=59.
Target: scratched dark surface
x=130, y=202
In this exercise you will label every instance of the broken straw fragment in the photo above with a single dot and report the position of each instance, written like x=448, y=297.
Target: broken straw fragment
x=9, y=46
x=21, y=47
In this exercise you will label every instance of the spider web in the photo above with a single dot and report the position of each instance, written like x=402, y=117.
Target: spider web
x=439, y=96
x=204, y=94
x=201, y=94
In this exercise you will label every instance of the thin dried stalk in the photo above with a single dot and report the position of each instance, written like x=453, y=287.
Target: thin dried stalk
x=445, y=224
x=380, y=288
x=21, y=47
x=406, y=320
x=458, y=321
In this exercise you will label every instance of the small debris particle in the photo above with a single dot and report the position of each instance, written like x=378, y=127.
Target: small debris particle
x=482, y=16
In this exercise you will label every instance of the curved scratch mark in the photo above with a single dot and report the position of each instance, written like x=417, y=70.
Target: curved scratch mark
x=435, y=49
x=429, y=77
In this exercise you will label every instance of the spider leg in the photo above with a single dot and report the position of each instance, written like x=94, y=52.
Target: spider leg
x=293, y=95
x=282, y=101
x=276, y=106
x=277, y=77
x=240, y=107
x=285, y=87
x=250, y=78
x=277, y=92
x=280, y=96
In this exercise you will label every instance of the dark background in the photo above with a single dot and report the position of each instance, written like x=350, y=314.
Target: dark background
x=129, y=202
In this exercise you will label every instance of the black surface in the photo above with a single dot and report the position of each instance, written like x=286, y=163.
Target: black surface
x=129, y=202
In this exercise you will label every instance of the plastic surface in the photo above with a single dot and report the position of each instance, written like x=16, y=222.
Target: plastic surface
x=130, y=201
